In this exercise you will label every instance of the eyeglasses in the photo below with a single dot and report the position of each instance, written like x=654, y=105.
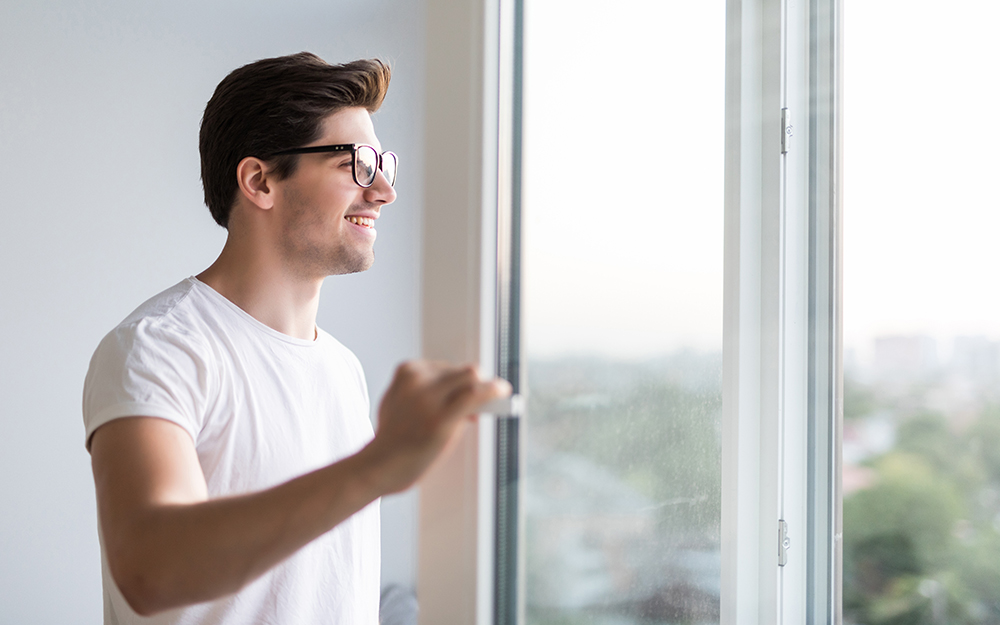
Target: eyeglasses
x=365, y=161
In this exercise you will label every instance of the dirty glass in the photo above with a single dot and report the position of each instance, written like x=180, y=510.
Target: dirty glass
x=623, y=124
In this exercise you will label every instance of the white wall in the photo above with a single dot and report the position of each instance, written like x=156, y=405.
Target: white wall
x=101, y=207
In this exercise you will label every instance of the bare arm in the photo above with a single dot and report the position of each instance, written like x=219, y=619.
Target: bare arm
x=169, y=545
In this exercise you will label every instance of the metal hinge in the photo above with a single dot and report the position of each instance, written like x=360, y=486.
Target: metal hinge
x=786, y=130
x=783, y=542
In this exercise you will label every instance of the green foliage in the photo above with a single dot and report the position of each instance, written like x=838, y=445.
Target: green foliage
x=859, y=400
x=902, y=526
x=984, y=442
x=922, y=545
x=926, y=435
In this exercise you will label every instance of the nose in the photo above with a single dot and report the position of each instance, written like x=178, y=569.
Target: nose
x=381, y=192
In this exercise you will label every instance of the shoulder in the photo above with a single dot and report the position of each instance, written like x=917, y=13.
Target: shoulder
x=159, y=362
x=163, y=305
x=172, y=335
x=172, y=318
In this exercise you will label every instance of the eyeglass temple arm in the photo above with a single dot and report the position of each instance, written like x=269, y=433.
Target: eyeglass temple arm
x=313, y=149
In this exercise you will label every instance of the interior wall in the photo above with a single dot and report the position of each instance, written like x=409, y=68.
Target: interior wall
x=101, y=207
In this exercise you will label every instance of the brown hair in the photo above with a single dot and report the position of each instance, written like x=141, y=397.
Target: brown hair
x=272, y=105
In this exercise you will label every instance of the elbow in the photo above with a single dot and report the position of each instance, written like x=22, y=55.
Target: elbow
x=143, y=590
x=140, y=599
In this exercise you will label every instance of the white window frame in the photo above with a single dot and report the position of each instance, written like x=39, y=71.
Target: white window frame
x=782, y=373
x=781, y=367
x=461, y=129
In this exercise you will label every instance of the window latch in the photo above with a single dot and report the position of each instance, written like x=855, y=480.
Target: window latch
x=786, y=130
x=783, y=542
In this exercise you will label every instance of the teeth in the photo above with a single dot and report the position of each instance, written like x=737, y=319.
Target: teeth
x=367, y=222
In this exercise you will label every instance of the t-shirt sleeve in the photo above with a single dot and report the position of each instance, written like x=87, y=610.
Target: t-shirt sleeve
x=147, y=369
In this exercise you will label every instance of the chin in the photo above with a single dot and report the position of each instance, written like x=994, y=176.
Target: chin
x=354, y=265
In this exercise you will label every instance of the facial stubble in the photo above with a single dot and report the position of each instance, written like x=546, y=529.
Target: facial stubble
x=313, y=256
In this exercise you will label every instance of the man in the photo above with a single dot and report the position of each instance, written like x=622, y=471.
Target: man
x=236, y=470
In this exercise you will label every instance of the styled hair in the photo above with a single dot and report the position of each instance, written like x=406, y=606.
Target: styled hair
x=272, y=105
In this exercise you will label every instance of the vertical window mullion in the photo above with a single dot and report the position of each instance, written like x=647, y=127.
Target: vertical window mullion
x=825, y=371
x=508, y=597
x=796, y=450
x=455, y=546
x=752, y=351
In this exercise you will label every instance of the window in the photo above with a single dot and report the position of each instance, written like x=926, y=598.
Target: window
x=922, y=366
x=622, y=213
x=495, y=546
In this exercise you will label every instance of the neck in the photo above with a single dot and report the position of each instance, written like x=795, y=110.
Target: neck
x=259, y=283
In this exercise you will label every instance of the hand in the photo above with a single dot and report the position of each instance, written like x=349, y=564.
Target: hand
x=423, y=411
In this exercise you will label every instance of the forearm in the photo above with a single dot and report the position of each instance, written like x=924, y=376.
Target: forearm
x=168, y=545
x=171, y=555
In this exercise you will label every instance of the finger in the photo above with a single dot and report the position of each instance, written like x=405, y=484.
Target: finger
x=468, y=400
x=455, y=380
x=417, y=371
x=435, y=379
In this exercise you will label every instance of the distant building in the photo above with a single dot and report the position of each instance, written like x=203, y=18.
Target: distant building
x=976, y=359
x=866, y=438
x=904, y=357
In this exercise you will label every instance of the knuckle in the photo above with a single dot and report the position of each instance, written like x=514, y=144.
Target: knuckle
x=406, y=370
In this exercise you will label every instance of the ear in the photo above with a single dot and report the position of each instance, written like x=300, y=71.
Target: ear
x=252, y=175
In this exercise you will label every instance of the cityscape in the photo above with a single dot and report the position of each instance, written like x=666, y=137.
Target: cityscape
x=622, y=486
x=921, y=482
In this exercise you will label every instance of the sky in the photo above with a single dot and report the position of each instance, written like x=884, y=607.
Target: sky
x=623, y=176
x=624, y=172
x=921, y=210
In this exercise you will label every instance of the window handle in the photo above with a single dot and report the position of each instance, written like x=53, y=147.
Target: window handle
x=512, y=406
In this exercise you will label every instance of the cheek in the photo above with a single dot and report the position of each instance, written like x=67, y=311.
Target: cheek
x=310, y=209
x=318, y=206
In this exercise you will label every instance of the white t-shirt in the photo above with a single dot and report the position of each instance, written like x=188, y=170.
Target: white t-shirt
x=261, y=407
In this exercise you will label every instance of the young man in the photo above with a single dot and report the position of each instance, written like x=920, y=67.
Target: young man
x=236, y=470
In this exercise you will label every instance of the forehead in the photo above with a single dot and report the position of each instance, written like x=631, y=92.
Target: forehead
x=349, y=125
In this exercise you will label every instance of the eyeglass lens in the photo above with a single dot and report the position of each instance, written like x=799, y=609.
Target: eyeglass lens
x=389, y=167
x=366, y=164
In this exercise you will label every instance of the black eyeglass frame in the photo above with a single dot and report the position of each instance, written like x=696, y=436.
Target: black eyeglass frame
x=353, y=149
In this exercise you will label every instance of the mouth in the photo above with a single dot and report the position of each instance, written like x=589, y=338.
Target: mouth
x=364, y=222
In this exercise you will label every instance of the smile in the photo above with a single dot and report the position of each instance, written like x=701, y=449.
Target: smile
x=367, y=222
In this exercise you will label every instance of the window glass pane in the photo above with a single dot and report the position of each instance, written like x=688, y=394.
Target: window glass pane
x=921, y=314
x=623, y=277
